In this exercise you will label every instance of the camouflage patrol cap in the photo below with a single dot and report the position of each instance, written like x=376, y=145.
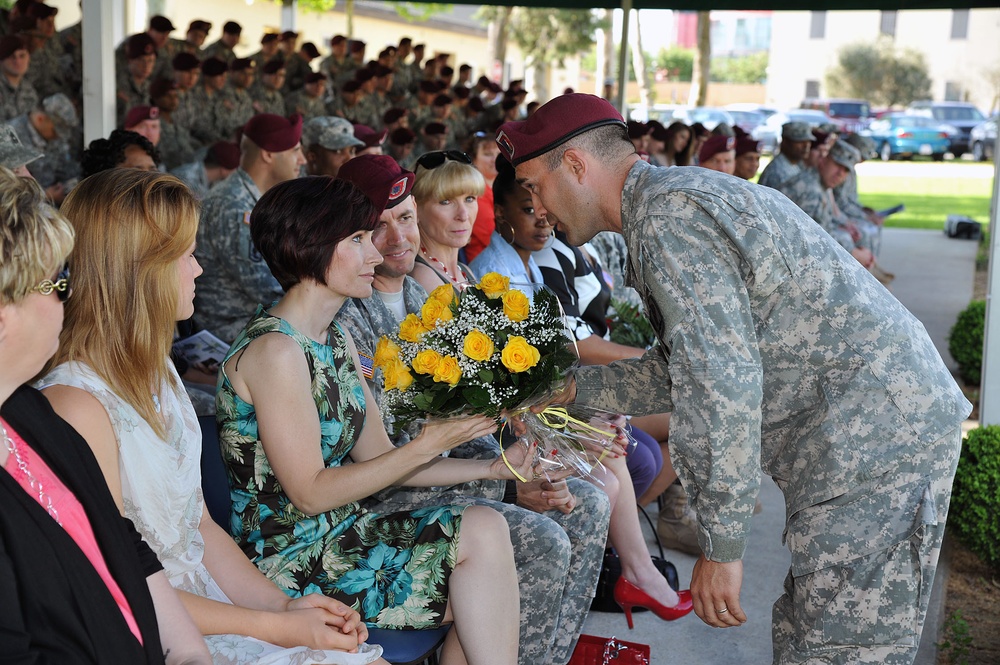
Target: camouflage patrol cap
x=384, y=182
x=13, y=153
x=865, y=146
x=844, y=154
x=185, y=62
x=554, y=123
x=214, y=67
x=139, y=45
x=61, y=111
x=329, y=132
x=796, y=131
x=828, y=127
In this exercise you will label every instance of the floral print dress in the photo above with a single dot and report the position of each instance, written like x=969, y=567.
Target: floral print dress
x=394, y=568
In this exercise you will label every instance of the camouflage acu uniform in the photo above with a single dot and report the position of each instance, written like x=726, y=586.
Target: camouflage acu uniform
x=296, y=71
x=199, y=108
x=300, y=102
x=236, y=279
x=131, y=94
x=219, y=50
x=193, y=175
x=56, y=164
x=16, y=101
x=45, y=71
x=231, y=108
x=71, y=39
x=557, y=556
x=176, y=145
x=779, y=351
x=353, y=113
x=778, y=171
x=845, y=195
x=806, y=190
x=613, y=256
x=266, y=100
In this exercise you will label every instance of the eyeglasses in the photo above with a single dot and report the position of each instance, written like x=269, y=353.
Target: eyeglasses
x=60, y=285
x=432, y=160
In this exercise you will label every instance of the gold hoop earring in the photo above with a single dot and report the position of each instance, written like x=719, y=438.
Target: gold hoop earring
x=509, y=239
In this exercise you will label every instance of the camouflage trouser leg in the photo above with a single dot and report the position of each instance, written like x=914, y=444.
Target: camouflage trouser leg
x=558, y=559
x=868, y=610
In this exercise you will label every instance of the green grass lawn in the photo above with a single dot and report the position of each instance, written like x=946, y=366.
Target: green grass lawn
x=928, y=201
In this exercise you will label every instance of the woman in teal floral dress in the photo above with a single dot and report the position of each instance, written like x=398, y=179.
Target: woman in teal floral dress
x=292, y=410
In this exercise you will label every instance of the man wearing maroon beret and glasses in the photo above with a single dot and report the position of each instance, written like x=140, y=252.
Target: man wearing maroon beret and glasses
x=236, y=279
x=568, y=519
x=777, y=351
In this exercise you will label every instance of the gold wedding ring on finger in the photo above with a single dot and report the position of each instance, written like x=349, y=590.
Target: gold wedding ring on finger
x=722, y=611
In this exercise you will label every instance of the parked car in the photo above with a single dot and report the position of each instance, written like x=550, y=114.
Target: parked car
x=747, y=120
x=984, y=140
x=709, y=116
x=769, y=133
x=851, y=115
x=906, y=135
x=960, y=116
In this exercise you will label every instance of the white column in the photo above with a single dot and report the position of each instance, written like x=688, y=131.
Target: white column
x=989, y=394
x=289, y=11
x=103, y=27
x=623, y=58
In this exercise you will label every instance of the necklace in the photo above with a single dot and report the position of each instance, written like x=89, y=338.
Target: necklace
x=444, y=268
x=44, y=499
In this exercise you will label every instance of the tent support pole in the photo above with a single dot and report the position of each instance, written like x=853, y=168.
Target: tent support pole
x=623, y=57
x=989, y=394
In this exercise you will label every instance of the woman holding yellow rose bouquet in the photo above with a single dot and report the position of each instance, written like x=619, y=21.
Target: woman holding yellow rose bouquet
x=293, y=407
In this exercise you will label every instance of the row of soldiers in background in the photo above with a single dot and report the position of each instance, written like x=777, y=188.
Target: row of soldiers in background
x=217, y=93
x=814, y=168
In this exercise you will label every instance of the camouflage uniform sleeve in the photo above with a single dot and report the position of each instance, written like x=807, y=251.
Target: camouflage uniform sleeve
x=637, y=386
x=698, y=301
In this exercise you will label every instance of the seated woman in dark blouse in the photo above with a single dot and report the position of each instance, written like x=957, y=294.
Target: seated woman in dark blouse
x=77, y=583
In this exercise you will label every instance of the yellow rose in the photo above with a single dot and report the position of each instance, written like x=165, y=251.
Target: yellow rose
x=518, y=355
x=494, y=285
x=403, y=377
x=444, y=294
x=448, y=371
x=433, y=311
x=412, y=328
x=426, y=361
x=385, y=351
x=478, y=346
x=516, y=305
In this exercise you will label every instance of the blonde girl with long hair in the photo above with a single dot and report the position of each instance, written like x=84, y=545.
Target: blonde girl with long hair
x=112, y=379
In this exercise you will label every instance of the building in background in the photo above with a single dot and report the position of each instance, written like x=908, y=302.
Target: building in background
x=734, y=33
x=961, y=48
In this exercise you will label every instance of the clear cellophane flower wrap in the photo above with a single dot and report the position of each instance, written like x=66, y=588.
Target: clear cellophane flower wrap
x=490, y=349
x=571, y=437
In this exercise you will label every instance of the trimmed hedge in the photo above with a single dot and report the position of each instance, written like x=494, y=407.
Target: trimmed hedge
x=965, y=342
x=975, y=499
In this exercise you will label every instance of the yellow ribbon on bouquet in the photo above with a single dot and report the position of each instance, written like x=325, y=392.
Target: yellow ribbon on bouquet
x=557, y=418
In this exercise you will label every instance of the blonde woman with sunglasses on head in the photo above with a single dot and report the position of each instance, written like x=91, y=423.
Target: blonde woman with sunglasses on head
x=77, y=583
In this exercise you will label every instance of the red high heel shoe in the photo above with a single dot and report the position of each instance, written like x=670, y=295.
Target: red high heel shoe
x=628, y=595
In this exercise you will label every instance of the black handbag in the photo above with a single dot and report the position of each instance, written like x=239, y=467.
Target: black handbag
x=611, y=570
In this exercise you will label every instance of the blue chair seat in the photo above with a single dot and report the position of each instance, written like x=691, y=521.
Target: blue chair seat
x=408, y=647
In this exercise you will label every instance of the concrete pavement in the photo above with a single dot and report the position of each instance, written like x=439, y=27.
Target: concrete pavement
x=934, y=276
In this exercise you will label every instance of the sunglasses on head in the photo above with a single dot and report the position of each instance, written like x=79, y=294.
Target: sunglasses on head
x=60, y=285
x=432, y=160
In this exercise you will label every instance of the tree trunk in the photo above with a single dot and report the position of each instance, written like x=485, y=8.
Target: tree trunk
x=605, y=44
x=349, y=12
x=497, y=39
x=540, y=76
x=702, y=61
x=639, y=61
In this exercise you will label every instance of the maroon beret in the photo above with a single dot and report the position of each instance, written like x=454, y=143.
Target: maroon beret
x=442, y=100
x=161, y=87
x=137, y=114
x=636, y=129
x=369, y=136
x=214, y=67
x=554, y=123
x=225, y=154
x=435, y=129
x=461, y=92
x=161, y=24
x=268, y=38
x=820, y=138
x=241, y=64
x=351, y=86
x=465, y=68
x=745, y=144
x=739, y=132
x=475, y=104
x=9, y=44
x=289, y=36
x=483, y=82
x=447, y=72
x=495, y=88
x=419, y=47
x=232, y=28
x=382, y=180
x=273, y=132
x=315, y=77
x=381, y=70
x=392, y=115
x=714, y=146
x=428, y=87
x=337, y=39
x=199, y=26
x=356, y=46
x=37, y=10
x=364, y=75
x=310, y=49
x=405, y=41
x=139, y=45
x=273, y=66
x=508, y=104
x=402, y=136
x=185, y=62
